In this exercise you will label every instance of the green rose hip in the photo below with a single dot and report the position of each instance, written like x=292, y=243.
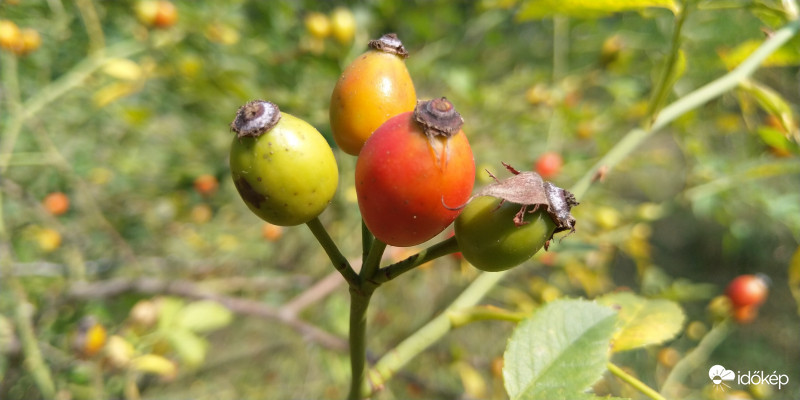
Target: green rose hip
x=282, y=167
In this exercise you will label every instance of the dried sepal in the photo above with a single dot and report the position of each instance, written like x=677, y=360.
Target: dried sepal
x=255, y=118
x=530, y=191
x=438, y=117
x=389, y=43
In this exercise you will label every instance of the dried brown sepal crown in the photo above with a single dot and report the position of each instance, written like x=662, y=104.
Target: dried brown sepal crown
x=389, y=43
x=255, y=118
x=438, y=117
x=528, y=189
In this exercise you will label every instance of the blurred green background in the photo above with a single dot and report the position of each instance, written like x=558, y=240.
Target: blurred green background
x=129, y=115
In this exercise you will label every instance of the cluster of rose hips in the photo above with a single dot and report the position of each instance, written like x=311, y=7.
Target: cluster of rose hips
x=746, y=294
x=414, y=174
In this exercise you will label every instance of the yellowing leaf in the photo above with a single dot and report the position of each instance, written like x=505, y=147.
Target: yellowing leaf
x=112, y=92
x=643, y=322
x=536, y=9
x=154, y=364
x=773, y=103
x=474, y=385
x=785, y=56
x=123, y=69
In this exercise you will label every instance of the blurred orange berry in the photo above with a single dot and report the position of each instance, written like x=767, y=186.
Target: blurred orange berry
x=668, y=357
x=271, y=232
x=745, y=314
x=56, y=203
x=166, y=16
x=157, y=13
x=201, y=213
x=206, y=184
x=549, y=165
x=9, y=34
x=90, y=337
x=29, y=40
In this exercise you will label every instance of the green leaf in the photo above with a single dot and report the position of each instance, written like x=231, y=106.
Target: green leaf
x=168, y=310
x=190, y=347
x=559, y=352
x=537, y=9
x=203, y=316
x=643, y=322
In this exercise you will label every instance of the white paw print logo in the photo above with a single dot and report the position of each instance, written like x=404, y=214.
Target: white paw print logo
x=718, y=374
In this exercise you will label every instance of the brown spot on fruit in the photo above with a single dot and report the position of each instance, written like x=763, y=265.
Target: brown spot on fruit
x=249, y=194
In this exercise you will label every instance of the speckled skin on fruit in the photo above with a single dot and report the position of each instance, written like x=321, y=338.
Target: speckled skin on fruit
x=288, y=175
x=372, y=89
x=402, y=179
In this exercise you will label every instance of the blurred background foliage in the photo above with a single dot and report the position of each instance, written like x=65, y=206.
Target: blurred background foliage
x=136, y=138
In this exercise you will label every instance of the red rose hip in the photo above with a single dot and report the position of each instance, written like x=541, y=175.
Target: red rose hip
x=411, y=166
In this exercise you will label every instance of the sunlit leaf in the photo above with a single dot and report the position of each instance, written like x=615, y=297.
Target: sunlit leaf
x=123, y=69
x=559, y=352
x=154, y=364
x=536, y=9
x=168, y=309
x=643, y=322
x=203, y=316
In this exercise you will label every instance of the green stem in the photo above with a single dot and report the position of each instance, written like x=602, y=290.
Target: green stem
x=631, y=380
x=366, y=242
x=668, y=75
x=339, y=261
x=373, y=260
x=34, y=362
x=395, y=359
x=359, y=302
x=695, y=358
x=442, y=248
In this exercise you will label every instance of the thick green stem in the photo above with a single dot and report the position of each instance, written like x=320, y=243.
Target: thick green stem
x=339, y=261
x=695, y=359
x=366, y=242
x=359, y=302
x=373, y=260
x=631, y=380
